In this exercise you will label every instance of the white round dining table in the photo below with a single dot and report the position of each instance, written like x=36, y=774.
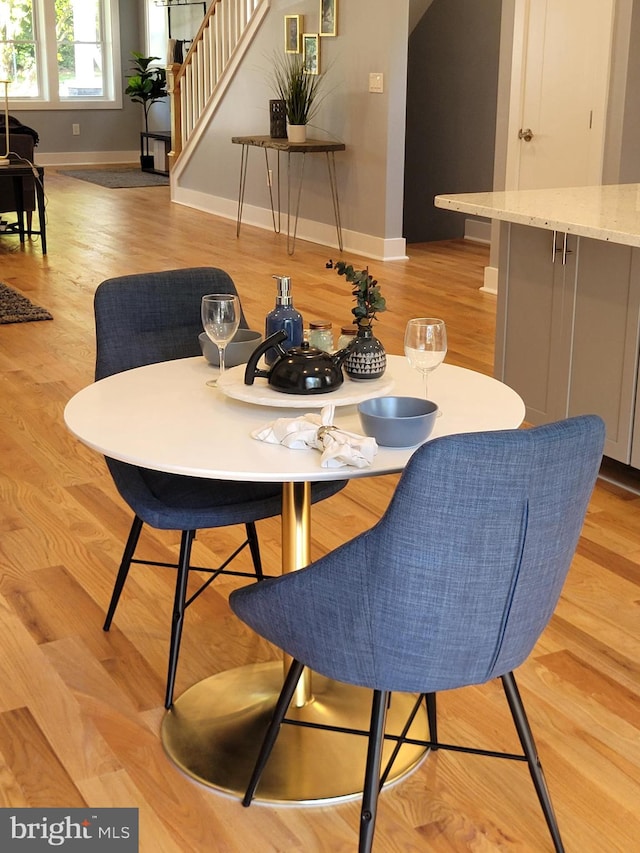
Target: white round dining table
x=166, y=417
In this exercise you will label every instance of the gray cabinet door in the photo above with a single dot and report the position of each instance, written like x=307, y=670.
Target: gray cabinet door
x=604, y=352
x=534, y=319
x=567, y=330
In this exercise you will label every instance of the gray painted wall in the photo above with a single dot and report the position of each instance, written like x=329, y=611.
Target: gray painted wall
x=100, y=130
x=417, y=8
x=372, y=36
x=452, y=94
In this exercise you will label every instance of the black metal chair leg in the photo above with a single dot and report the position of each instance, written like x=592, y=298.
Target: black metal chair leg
x=372, y=772
x=528, y=745
x=177, y=620
x=432, y=717
x=401, y=739
x=284, y=700
x=123, y=571
x=252, y=538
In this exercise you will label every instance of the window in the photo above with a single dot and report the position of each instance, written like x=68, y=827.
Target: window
x=18, y=47
x=60, y=53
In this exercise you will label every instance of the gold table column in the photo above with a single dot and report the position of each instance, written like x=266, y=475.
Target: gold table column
x=215, y=729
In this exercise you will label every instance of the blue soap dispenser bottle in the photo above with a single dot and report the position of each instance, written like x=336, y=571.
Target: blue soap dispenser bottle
x=283, y=316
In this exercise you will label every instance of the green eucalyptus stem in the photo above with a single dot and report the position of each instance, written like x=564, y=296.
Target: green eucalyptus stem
x=366, y=292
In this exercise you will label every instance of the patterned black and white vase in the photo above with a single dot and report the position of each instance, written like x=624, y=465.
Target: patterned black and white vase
x=367, y=358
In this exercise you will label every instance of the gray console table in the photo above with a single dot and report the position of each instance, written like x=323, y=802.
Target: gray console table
x=311, y=146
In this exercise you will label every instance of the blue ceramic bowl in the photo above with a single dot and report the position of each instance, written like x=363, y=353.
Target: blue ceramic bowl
x=398, y=421
x=237, y=350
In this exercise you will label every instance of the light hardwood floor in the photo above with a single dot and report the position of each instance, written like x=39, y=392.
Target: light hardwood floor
x=80, y=709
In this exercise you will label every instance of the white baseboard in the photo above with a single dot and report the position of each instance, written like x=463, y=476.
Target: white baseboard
x=376, y=248
x=477, y=230
x=87, y=158
x=490, y=280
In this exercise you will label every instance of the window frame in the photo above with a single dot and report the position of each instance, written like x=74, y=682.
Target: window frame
x=44, y=25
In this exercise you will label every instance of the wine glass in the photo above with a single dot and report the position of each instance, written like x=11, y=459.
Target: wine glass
x=425, y=345
x=220, y=320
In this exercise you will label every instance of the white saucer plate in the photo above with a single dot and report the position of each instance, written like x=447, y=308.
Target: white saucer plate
x=260, y=393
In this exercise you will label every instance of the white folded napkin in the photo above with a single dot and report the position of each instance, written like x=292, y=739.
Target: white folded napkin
x=338, y=446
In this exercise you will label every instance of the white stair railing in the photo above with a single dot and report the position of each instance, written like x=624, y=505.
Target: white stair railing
x=228, y=24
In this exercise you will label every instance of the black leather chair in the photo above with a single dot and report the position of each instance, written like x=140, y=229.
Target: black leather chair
x=147, y=318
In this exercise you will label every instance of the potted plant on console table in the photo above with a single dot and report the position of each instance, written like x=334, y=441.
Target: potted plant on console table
x=146, y=86
x=367, y=358
x=299, y=90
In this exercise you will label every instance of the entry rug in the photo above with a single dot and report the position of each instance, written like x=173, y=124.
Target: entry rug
x=16, y=308
x=117, y=178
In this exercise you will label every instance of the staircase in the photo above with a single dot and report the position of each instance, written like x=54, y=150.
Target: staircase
x=197, y=85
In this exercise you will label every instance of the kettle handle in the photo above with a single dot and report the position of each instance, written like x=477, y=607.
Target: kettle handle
x=252, y=370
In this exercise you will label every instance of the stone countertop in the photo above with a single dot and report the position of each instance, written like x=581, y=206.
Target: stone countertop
x=610, y=213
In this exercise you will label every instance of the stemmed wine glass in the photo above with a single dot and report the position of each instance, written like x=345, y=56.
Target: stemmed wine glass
x=220, y=320
x=425, y=345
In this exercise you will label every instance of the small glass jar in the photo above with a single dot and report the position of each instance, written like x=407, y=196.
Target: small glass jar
x=347, y=334
x=321, y=335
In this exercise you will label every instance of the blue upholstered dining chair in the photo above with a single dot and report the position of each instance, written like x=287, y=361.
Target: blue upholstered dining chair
x=152, y=317
x=452, y=587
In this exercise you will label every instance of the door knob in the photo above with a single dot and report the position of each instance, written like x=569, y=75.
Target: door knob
x=526, y=134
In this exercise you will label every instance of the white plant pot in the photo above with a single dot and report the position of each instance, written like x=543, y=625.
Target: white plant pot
x=297, y=133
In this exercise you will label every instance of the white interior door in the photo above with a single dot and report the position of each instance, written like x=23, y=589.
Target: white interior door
x=561, y=60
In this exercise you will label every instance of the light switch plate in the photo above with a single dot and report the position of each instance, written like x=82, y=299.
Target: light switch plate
x=376, y=82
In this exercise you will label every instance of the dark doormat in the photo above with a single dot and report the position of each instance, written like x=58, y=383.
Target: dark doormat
x=16, y=308
x=117, y=178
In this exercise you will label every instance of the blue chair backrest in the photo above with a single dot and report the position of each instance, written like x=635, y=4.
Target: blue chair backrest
x=456, y=582
x=152, y=317
x=466, y=566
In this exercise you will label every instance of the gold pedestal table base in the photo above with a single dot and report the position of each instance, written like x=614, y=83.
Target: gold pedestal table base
x=215, y=729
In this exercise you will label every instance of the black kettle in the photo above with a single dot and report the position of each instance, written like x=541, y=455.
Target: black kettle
x=299, y=370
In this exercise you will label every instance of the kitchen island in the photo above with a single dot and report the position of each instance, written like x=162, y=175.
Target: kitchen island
x=568, y=312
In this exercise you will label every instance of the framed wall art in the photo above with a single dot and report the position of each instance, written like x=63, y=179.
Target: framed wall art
x=311, y=53
x=292, y=33
x=328, y=17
